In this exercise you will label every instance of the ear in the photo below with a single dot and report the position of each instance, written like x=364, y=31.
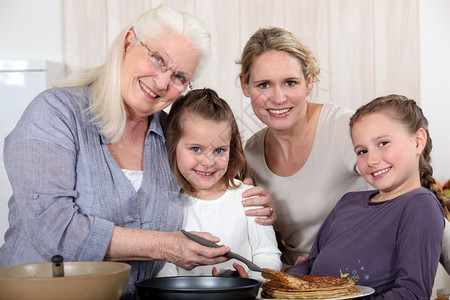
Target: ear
x=309, y=84
x=421, y=140
x=244, y=87
x=129, y=38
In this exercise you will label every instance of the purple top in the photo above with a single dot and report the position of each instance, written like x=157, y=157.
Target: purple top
x=391, y=246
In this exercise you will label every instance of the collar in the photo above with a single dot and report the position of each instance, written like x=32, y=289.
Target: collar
x=157, y=122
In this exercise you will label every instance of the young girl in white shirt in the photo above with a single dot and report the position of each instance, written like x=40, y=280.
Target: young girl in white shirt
x=206, y=155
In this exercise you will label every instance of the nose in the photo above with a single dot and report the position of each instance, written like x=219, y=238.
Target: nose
x=207, y=160
x=162, y=79
x=373, y=158
x=278, y=95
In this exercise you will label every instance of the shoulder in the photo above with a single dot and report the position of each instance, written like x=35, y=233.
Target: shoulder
x=421, y=198
x=333, y=136
x=334, y=122
x=421, y=209
x=256, y=138
x=255, y=142
x=55, y=115
x=241, y=187
x=60, y=101
x=336, y=115
x=357, y=196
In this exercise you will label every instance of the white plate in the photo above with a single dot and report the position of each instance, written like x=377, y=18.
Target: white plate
x=363, y=291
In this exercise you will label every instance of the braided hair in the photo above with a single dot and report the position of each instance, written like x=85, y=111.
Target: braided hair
x=411, y=116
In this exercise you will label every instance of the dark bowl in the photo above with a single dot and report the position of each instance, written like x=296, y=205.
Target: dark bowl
x=198, y=288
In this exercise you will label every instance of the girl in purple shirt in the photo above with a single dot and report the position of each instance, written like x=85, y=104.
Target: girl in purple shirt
x=389, y=239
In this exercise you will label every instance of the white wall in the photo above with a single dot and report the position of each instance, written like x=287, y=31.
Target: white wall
x=31, y=30
x=435, y=92
x=435, y=80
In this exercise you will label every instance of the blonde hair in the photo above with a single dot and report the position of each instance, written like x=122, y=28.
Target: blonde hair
x=411, y=116
x=278, y=39
x=206, y=104
x=107, y=106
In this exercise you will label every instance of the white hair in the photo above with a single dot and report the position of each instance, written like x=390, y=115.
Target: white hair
x=108, y=108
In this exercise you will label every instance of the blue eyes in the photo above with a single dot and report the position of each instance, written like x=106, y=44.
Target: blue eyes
x=180, y=78
x=159, y=60
x=217, y=151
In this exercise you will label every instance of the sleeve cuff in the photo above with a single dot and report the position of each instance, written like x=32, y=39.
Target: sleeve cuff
x=98, y=241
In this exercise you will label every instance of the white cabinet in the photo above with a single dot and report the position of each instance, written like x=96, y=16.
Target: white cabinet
x=20, y=82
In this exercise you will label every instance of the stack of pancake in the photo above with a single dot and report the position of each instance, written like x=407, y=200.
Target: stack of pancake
x=284, y=286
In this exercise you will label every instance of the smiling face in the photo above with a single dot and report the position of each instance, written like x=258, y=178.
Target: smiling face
x=146, y=90
x=387, y=154
x=277, y=89
x=202, y=155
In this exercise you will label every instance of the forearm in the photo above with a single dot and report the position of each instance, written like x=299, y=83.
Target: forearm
x=136, y=244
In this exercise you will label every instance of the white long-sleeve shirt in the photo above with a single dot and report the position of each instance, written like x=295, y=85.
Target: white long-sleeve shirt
x=225, y=218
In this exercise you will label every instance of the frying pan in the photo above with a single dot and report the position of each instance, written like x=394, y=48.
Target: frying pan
x=198, y=288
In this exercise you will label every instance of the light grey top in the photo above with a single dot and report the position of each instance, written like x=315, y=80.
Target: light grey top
x=69, y=192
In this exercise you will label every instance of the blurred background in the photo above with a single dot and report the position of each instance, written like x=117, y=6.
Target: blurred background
x=367, y=48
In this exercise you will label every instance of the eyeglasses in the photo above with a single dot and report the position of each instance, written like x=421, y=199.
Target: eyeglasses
x=162, y=63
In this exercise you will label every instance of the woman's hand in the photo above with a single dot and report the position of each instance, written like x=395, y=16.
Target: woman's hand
x=187, y=254
x=174, y=247
x=258, y=196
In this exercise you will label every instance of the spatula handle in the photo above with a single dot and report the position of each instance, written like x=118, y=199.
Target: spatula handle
x=199, y=240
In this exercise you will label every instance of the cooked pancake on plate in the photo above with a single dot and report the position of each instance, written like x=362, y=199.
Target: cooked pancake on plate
x=283, y=285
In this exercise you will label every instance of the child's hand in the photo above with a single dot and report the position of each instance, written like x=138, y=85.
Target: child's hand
x=239, y=269
x=301, y=259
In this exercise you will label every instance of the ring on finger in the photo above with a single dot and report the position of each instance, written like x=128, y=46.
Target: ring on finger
x=271, y=211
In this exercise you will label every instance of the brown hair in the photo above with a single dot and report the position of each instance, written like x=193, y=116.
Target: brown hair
x=206, y=104
x=411, y=116
x=278, y=39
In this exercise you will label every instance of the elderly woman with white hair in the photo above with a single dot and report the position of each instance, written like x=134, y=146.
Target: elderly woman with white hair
x=88, y=164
